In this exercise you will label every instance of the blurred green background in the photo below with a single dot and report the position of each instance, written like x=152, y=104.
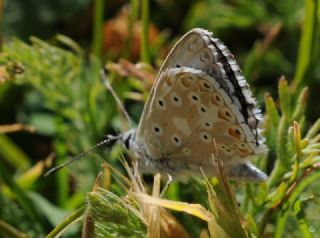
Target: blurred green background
x=53, y=51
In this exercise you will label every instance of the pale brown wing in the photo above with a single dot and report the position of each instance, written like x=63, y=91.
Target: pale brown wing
x=188, y=111
x=198, y=49
x=175, y=127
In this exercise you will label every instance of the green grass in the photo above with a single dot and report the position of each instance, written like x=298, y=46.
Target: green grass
x=55, y=86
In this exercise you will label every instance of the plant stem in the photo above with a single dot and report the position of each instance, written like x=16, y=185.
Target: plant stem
x=98, y=9
x=10, y=231
x=134, y=11
x=67, y=222
x=281, y=224
x=144, y=50
x=292, y=193
x=1, y=23
x=304, y=228
x=307, y=43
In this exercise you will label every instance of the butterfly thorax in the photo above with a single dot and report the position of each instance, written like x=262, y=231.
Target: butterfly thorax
x=146, y=162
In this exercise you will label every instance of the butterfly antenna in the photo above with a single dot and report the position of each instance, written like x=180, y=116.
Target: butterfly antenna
x=107, y=84
x=106, y=141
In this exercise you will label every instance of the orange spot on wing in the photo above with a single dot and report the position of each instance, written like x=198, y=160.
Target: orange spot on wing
x=204, y=86
x=226, y=114
x=236, y=132
x=243, y=149
x=217, y=99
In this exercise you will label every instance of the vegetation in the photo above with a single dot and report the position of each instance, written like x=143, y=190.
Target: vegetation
x=53, y=105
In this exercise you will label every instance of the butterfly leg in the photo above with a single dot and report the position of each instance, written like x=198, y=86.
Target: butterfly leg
x=166, y=187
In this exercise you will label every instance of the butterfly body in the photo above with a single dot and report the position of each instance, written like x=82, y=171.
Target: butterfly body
x=199, y=107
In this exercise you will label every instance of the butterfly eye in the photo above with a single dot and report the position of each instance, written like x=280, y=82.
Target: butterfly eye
x=161, y=104
x=225, y=113
x=176, y=140
x=217, y=99
x=205, y=137
x=236, y=132
x=175, y=99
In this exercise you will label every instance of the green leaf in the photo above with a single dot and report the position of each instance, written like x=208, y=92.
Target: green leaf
x=314, y=130
x=53, y=213
x=284, y=97
x=12, y=154
x=43, y=122
x=271, y=109
x=113, y=216
x=23, y=200
x=301, y=105
x=282, y=143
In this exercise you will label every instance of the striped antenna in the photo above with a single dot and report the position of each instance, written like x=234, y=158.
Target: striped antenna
x=107, y=141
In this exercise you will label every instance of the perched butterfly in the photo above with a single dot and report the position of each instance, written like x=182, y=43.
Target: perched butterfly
x=199, y=106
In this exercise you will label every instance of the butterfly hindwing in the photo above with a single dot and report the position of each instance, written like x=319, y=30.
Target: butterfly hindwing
x=198, y=49
x=189, y=111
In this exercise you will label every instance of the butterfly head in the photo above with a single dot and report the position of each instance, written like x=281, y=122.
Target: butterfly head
x=127, y=139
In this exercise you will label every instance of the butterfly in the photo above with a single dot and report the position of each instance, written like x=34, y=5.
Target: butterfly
x=200, y=106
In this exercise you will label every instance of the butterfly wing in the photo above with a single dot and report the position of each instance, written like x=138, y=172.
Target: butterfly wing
x=199, y=96
x=189, y=119
x=198, y=49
